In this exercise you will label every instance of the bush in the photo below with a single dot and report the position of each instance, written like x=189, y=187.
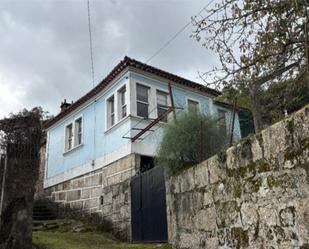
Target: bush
x=194, y=137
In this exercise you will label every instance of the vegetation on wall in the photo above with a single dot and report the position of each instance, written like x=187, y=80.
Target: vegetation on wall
x=192, y=138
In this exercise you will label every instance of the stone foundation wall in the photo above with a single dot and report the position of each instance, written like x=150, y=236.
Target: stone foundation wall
x=105, y=191
x=254, y=195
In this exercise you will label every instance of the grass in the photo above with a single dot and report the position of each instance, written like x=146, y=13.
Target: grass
x=65, y=239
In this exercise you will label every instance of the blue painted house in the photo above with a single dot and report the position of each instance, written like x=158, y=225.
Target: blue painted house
x=94, y=132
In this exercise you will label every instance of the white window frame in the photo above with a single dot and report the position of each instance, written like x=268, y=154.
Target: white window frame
x=225, y=118
x=74, y=135
x=76, y=132
x=158, y=90
x=193, y=100
x=142, y=102
x=121, y=105
x=66, y=137
x=109, y=114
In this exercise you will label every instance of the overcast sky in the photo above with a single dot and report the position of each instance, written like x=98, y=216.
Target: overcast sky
x=44, y=45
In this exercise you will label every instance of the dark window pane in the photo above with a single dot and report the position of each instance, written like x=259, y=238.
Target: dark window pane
x=222, y=121
x=161, y=111
x=192, y=105
x=142, y=93
x=123, y=111
x=142, y=110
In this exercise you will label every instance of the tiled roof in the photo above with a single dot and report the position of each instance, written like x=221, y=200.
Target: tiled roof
x=128, y=62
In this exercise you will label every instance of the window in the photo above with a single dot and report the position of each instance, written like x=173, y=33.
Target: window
x=222, y=121
x=78, y=131
x=111, y=111
x=69, y=137
x=193, y=105
x=122, y=103
x=162, y=104
x=142, y=101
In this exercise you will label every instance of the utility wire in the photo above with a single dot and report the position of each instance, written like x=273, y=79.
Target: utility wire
x=176, y=34
x=90, y=43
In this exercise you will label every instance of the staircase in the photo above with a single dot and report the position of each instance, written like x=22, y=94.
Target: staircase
x=43, y=217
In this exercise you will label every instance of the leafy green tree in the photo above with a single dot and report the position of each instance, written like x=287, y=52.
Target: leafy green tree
x=256, y=41
x=277, y=99
x=192, y=138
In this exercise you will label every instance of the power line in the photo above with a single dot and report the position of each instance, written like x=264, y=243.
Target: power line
x=90, y=43
x=176, y=34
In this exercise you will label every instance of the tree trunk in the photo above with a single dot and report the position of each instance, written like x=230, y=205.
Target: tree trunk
x=256, y=108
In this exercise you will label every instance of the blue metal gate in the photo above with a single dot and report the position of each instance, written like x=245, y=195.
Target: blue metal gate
x=148, y=207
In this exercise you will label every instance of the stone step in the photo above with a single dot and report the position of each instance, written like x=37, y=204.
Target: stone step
x=44, y=225
x=44, y=218
x=41, y=212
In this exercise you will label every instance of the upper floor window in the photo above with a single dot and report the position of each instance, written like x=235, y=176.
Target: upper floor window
x=142, y=100
x=122, y=102
x=193, y=105
x=78, y=131
x=69, y=137
x=111, y=111
x=222, y=121
x=162, y=104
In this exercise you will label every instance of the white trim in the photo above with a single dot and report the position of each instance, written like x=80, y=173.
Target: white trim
x=149, y=97
x=116, y=106
x=107, y=111
x=117, y=124
x=83, y=124
x=65, y=150
x=101, y=162
x=194, y=100
x=74, y=146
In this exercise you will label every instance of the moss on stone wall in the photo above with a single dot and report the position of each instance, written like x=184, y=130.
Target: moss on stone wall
x=240, y=237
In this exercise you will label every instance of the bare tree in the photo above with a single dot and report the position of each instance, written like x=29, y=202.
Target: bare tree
x=256, y=41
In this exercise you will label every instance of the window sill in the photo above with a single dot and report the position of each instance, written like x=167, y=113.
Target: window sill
x=117, y=124
x=73, y=149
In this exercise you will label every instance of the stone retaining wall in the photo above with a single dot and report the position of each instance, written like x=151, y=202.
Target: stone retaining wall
x=105, y=191
x=254, y=195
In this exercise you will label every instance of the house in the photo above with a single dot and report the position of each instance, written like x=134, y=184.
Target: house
x=96, y=142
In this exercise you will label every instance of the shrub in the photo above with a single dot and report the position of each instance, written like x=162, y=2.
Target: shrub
x=192, y=138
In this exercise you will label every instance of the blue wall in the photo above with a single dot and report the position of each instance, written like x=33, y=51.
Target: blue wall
x=98, y=143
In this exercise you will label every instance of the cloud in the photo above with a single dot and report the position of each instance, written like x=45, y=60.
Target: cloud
x=45, y=46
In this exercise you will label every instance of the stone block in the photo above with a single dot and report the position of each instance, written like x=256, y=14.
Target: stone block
x=76, y=205
x=249, y=214
x=287, y=216
x=216, y=171
x=107, y=209
x=187, y=181
x=302, y=217
x=62, y=196
x=85, y=194
x=205, y=219
x=201, y=175
x=231, y=158
x=73, y=195
x=208, y=199
x=78, y=183
x=268, y=215
x=67, y=185
x=88, y=181
x=95, y=192
x=92, y=203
